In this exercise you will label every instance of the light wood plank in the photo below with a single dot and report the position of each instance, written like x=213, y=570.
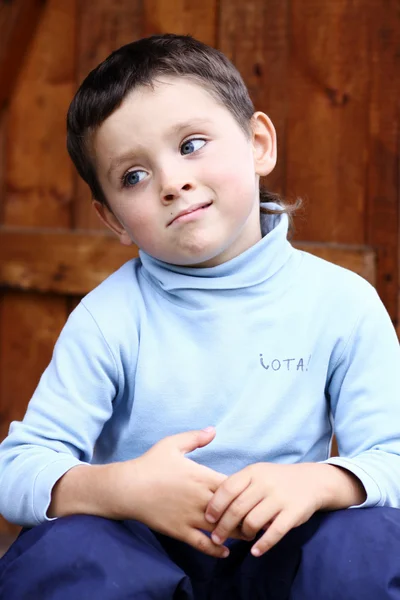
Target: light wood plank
x=74, y=263
x=102, y=27
x=255, y=36
x=106, y=25
x=327, y=134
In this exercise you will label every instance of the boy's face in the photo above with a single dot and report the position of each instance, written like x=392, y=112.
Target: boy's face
x=180, y=175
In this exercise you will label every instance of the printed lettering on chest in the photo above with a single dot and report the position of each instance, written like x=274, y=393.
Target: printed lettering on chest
x=273, y=363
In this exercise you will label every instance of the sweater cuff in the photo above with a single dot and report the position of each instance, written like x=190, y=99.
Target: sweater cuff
x=373, y=492
x=44, y=483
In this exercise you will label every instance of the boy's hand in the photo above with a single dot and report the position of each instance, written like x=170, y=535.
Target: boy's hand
x=169, y=492
x=277, y=498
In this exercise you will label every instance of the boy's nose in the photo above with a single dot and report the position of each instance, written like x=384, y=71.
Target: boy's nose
x=172, y=191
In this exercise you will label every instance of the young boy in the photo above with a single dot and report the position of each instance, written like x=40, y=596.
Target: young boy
x=186, y=415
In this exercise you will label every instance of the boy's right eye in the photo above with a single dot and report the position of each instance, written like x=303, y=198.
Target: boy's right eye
x=131, y=178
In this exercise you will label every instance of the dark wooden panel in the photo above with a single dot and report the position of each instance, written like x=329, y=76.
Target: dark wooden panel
x=255, y=36
x=383, y=150
x=18, y=20
x=3, y=127
x=102, y=27
x=37, y=190
x=74, y=263
x=327, y=133
x=107, y=24
x=195, y=17
x=38, y=173
x=27, y=339
x=29, y=328
x=63, y=262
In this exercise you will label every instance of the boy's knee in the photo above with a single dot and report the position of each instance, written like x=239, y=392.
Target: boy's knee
x=353, y=554
x=87, y=557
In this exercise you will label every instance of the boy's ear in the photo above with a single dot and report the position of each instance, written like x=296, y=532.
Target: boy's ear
x=110, y=220
x=264, y=143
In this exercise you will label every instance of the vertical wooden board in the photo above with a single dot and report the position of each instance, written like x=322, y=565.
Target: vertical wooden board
x=27, y=339
x=327, y=117
x=28, y=329
x=384, y=158
x=106, y=25
x=37, y=192
x=39, y=174
x=18, y=20
x=3, y=126
x=255, y=36
x=183, y=17
x=103, y=26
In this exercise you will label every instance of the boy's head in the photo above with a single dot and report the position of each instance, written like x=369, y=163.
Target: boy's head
x=165, y=126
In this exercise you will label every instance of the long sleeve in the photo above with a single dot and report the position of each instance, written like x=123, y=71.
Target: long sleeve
x=64, y=418
x=364, y=391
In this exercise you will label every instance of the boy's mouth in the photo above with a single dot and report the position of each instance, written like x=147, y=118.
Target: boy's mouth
x=189, y=211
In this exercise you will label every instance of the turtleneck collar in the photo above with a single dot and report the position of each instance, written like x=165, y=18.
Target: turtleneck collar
x=203, y=287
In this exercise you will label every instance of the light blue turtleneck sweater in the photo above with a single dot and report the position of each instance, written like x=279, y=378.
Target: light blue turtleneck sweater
x=270, y=348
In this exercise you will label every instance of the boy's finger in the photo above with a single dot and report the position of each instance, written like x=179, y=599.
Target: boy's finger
x=261, y=517
x=191, y=440
x=230, y=489
x=204, y=544
x=235, y=514
x=277, y=530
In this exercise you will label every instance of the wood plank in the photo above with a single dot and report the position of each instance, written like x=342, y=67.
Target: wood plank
x=75, y=262
x=360, y=259
x=38, y=172
x=18, y=21
x=25, y=349
x=327, y=133
x=3, y=128
x=255, y=36
x=195, y=17
x=106, y=25
x=37, y=190
x=29, y=328
x=383, y=189
x=103, y=26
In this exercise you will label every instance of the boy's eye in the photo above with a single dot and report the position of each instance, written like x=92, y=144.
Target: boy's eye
x=192, y=145
x=133, y=177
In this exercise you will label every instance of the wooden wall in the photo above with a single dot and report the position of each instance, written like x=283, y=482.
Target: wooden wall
x=327, y=72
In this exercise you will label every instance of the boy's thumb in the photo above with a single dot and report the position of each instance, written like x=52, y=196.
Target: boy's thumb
x=190, y=440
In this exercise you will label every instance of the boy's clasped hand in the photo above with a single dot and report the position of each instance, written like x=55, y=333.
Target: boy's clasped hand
x=184, y=500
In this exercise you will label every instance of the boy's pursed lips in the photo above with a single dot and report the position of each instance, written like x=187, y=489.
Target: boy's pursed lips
x=187, y=211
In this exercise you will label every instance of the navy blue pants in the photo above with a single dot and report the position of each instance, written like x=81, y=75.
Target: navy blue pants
x=344, y=555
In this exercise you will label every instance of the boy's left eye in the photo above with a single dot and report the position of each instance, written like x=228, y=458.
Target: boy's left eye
x=191, y=146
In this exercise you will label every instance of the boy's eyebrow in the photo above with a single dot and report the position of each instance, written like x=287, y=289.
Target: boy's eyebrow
x=175, y=129
x=178, y=127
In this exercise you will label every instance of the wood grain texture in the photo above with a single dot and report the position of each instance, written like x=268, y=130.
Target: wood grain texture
x=38, y=173
x=27, y=338
x=106, y=25
x=75, y=262
x=18, y=21
x=255, y=37
x=183, y=17
x=37, y=190
x=102, y=27
x=30, y=325
x=327, y=135
x=3, y=129
x=382, y=224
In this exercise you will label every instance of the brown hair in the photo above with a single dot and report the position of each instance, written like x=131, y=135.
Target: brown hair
x=140, y=63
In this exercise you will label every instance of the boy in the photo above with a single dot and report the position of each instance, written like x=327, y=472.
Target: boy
x=222, y=343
